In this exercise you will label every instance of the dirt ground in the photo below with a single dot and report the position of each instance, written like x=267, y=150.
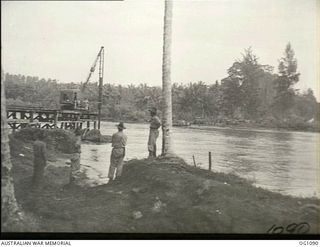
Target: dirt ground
x=156, y=196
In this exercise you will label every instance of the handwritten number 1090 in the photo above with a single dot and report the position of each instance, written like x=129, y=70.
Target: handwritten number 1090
x=300, y=228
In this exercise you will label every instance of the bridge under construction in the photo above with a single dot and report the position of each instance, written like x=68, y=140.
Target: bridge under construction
x=22, y=117
x=74, y=109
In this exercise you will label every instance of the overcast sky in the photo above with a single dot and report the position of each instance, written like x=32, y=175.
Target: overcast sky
x=60, y=40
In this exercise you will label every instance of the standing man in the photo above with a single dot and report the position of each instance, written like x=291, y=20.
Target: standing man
x=76, y=157
x=155, y=124
x=119, y=142
x=39, y=161
x=86, y=104
x=75, y=100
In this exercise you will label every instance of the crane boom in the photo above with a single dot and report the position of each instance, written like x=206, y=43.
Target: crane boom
x=99, y=57
x=92, y=69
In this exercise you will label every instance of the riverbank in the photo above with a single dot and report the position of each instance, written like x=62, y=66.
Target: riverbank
x=245, y=128
x=154, y=196
x=283, y=126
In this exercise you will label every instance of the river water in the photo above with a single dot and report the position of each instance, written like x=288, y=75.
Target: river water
x=280, y=161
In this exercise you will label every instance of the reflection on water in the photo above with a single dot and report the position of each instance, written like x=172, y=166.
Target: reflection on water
x=285, y=162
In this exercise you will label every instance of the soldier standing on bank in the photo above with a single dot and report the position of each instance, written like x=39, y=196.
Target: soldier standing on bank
x=39, y=161
x=119, y=142
x=155, y=124
x=76, y=157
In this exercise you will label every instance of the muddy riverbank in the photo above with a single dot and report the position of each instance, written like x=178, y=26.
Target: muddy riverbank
x=159, y=196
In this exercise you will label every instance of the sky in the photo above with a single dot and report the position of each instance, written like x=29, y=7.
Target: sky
x=60, y=40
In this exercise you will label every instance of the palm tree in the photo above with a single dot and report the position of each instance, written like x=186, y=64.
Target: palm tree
x=167, y=148
x=10, y=213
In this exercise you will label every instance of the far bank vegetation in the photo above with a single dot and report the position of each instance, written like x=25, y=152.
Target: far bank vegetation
x=251, y=94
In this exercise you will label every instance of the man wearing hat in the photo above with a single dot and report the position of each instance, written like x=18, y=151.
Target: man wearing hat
x=75, y=158
x=119, y=141
x=155, y=123
x=40, y=160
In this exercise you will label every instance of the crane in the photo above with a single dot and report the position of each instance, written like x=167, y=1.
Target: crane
x=99, y=57
x=69, y=98
x=93, y=68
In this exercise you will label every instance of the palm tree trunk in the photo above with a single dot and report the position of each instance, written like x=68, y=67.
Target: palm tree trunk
x=9, y=207
x=167, y=148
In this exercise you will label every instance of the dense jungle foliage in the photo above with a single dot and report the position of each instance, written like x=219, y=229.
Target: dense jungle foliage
x=251, y=93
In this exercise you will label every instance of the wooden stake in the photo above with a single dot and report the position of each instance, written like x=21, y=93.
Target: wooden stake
x=210, y=161
x=194, y=161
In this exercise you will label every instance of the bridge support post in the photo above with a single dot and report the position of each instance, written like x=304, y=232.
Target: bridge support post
x=31, y=117
x=56, y=120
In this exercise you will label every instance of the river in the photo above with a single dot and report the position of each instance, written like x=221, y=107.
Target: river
x=280, y=161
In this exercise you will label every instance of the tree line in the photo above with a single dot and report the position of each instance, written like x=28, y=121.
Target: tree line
x=250, y=93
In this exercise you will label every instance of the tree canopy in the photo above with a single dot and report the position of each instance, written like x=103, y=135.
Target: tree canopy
x=250, y=92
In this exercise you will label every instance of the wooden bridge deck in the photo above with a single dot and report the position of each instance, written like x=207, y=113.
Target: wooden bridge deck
x=27, y=116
